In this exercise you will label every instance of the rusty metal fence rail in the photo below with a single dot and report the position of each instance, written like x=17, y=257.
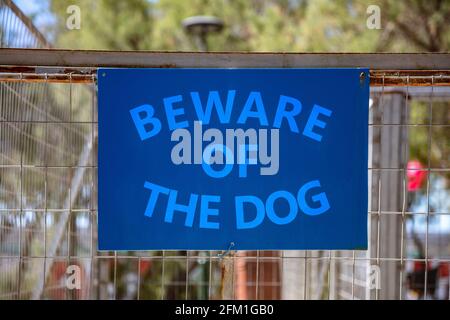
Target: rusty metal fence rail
x=48, y=190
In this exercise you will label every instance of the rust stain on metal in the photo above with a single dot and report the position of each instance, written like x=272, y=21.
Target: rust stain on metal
x=387, y=78
x=227, y=275
x=417, y=78
x=54, y=75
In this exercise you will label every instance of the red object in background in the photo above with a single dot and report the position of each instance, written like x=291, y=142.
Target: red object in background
x=415, y=174
x=444, y=269
x=145, y=266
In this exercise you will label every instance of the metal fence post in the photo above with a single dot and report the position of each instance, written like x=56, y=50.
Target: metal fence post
x=389, y=158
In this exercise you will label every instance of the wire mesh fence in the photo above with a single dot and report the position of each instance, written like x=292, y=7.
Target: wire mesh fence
x=17, y=30
x=48, y=201
x=48, y=208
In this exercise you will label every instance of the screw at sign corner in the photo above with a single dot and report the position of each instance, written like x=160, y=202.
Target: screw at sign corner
x=104, y=74
x=362, y=76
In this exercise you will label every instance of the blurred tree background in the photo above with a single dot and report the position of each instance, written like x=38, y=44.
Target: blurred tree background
x=274, y=25
x=254, y=25
x=280, y=26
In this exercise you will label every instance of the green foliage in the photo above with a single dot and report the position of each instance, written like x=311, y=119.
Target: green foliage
x=434, y=140
x=253, y=25
x=270, y=25
x=105, y=24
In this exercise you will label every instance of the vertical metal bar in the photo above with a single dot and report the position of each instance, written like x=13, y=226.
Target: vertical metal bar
x=92, y=221
x=187, y=275
x=402, y=246
x=92, y=208
x=163, y=275
x=405, y=194
x=274, y=266
x=210, y=275
x=281, y=277
x=115, y=275
x=139, y=280
x=379, y=187
x=329, y=275
x=233, y=274
x=306, y=276
x=257, y=275
x=333, y=271
x=353, y=276
x=69, y=220
x=20, y=214
x=430, y=122
x=45, y=184
x=378, y=229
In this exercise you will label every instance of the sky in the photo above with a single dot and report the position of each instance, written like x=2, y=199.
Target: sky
x=38, y=9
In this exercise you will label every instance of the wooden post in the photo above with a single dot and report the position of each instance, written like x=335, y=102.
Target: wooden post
x=227, y=284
